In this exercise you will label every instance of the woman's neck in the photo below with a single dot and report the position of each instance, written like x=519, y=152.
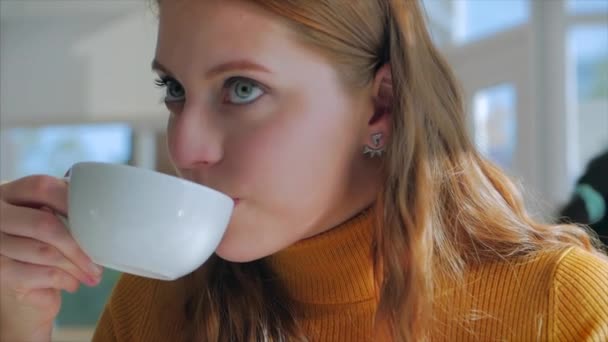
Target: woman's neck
x=334, y=267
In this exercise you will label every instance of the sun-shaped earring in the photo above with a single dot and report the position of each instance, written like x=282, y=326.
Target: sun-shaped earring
x=377, y=149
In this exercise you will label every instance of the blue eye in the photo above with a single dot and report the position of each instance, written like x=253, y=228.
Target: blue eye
x=174, y=90
x=242, y=91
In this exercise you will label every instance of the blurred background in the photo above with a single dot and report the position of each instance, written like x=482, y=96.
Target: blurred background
x=76, y=85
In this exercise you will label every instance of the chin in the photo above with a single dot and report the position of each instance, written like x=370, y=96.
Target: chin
x=235, y=254
x=245, y=242
x=238, y=244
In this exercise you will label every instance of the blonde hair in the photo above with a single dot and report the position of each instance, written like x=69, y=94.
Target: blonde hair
x=443, y=207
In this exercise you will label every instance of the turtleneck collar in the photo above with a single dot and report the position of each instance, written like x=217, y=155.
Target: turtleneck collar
x=334, y=267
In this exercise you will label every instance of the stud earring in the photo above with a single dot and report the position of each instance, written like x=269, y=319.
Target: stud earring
x=377, y=149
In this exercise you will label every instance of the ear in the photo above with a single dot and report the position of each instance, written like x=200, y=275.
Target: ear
x=380, y=119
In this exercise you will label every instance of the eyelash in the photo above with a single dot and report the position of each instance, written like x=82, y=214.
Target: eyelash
x=161, y=82
x=164, y=81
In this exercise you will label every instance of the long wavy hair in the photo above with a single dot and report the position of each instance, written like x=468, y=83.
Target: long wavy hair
x=443, y=207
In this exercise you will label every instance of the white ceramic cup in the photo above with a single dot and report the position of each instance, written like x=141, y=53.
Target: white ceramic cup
x=144, y=222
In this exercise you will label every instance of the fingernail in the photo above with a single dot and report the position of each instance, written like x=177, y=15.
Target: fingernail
x=95, y=269
x=92, y=281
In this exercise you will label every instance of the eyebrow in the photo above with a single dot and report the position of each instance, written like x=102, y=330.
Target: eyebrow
x=241, y=64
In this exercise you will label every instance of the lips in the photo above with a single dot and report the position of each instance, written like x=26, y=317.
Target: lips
x=217, y=188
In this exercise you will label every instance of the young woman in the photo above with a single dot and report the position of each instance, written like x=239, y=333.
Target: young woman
x=363, y=211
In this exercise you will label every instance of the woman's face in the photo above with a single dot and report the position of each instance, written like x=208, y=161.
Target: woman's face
x=260, y=116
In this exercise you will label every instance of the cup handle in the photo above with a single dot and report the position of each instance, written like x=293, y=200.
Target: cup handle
x=67, y=175
x=62, y=218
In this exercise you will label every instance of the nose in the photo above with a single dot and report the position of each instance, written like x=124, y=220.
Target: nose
x=194, y=138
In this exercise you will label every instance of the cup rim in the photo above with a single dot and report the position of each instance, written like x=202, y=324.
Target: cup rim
x=150, y=172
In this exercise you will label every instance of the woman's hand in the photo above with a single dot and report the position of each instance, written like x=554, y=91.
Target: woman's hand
x=38, y=258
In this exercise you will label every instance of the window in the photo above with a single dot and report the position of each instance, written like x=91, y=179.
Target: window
x=587, y=6
x=463, y=21
x=588, y=52
x=495, y=123
x=588, y=74
x=53, y=149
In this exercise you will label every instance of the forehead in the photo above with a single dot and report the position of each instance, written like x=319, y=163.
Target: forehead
x=231, y=25
x=196, y=35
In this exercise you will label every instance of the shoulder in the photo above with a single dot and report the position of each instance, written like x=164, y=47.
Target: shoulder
x=576, y=262
x=124, y=309
x=579, y=272
x=555, y=295
x=133, y=291
x=139, y=304
x=579, y=297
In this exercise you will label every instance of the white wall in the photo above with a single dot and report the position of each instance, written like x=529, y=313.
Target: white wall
x=70, y=63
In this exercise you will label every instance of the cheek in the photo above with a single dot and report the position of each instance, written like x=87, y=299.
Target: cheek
x=301, y=154
x=291, y=179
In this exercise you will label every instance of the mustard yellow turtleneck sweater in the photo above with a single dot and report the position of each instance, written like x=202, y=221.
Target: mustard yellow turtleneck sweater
x=554, y=296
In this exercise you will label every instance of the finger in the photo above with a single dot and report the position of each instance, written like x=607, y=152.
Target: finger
x=22, y=277
x=45, y=227
x=37, y=191
x=39, y=253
